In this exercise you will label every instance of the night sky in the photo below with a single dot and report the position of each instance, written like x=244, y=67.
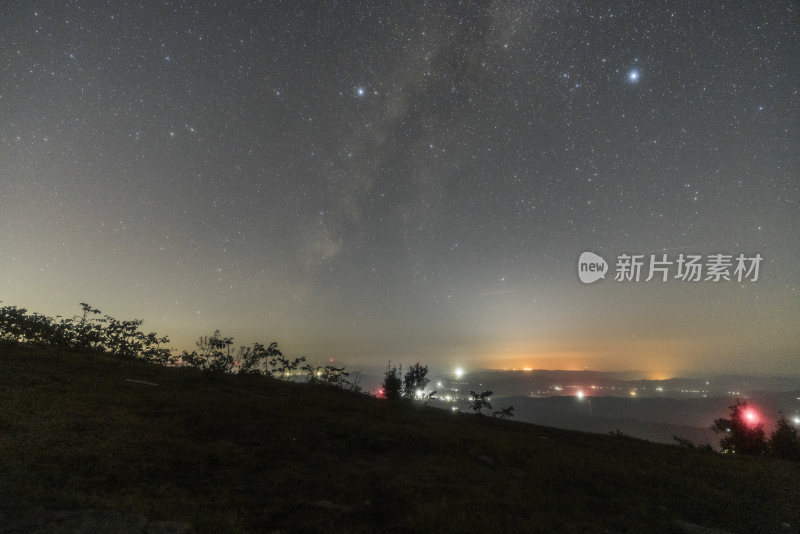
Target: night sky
x=409, y=181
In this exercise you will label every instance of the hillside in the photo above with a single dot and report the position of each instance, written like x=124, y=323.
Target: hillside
x=168, y=450
x=653, y=419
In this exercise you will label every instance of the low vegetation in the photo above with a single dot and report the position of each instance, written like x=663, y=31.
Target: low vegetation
x=93, y=332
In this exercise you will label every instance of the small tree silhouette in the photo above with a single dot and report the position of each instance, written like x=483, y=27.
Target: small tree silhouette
x=329, y=375
x=255, y=359
x=415, y=381
x=784, y=441
x=392, y=382
x=87, y=333
x=504, y=413
x=213, y=354
x=742, y=433
x=480, y=401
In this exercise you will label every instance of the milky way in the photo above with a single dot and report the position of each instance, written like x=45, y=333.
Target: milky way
x=372, y=182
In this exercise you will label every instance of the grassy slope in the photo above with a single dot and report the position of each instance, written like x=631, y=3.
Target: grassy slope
x=250, y=454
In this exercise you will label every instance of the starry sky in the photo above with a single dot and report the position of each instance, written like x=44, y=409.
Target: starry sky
x=409, y=180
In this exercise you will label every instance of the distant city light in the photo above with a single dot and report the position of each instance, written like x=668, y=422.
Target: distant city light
x=633, y=393
x=796, y=420
x=419, y=393
x=438, y=384
x=580, y=394
x=459, y=372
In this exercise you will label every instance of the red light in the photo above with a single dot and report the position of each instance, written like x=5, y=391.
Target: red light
x=750, y=416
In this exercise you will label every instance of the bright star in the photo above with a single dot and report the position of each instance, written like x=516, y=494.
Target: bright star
x=633, y=76
x=360, y=91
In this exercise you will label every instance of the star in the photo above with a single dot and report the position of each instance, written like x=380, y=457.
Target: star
x=408, y=139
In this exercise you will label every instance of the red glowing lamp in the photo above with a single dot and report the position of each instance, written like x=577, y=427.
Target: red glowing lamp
x=750, y=416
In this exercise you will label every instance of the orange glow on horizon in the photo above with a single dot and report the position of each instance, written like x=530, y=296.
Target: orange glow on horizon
x=660, y=363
